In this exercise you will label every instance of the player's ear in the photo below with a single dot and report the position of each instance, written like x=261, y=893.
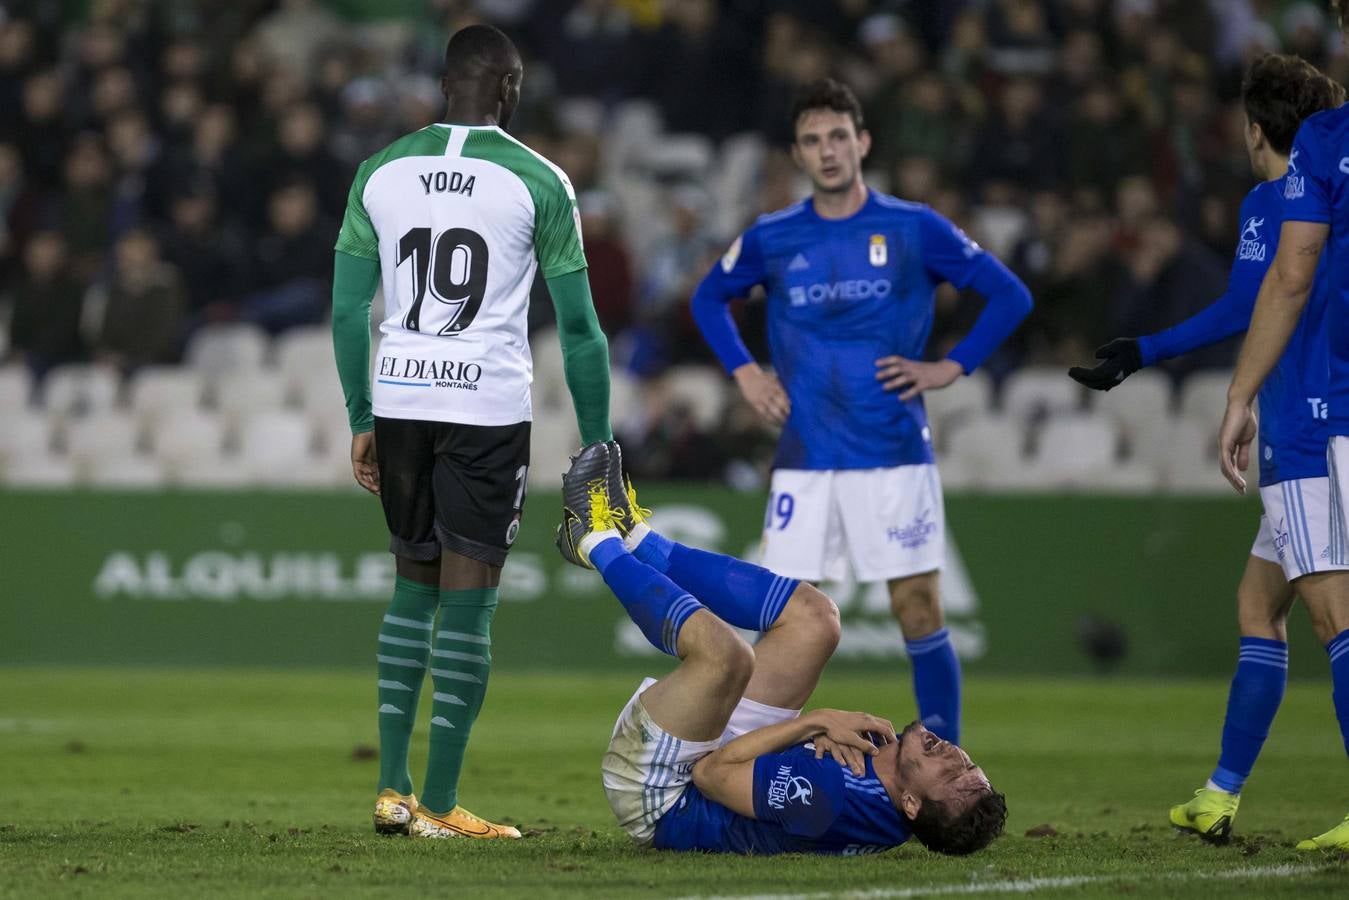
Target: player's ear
x=796, y=154
x=864, y=142
x=445, y=86
x=909, y=804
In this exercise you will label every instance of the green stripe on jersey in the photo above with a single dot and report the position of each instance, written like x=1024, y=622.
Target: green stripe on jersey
x=557, y=224
x=357, y=236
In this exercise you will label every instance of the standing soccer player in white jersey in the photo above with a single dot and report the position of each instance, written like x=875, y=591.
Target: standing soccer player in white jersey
x=1278, y=92
x=850, y=275
x=1315, y=210
x=456, y=219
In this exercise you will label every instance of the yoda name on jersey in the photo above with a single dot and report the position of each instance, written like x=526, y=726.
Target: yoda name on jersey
x=441, y=373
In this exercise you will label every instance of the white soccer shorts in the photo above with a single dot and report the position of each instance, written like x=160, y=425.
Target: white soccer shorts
x=1297, y=527
x=1337, y=460
x=889, y=523
x=645, y=769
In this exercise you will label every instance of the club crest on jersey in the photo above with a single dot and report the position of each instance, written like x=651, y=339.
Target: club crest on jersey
x=732, y=255
x=1252, y=247
x=879, y=253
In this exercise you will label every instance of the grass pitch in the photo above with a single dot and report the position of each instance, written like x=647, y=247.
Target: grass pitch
x=251, y=783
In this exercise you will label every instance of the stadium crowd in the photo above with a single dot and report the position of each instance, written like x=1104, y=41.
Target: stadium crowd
x=166, y=166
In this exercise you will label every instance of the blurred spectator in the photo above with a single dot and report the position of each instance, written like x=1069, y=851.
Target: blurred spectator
x=710, y=58
x=209, y=253
x=292, y=262
x=143, y=317
x=611, y=281
x=1018, y=142
x=84, y=207
x=47, y=302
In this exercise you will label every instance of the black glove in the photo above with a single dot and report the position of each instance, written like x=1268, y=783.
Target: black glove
x=1120, y=359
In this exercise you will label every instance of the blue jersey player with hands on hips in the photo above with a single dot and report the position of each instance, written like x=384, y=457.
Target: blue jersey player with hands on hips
x=1315, y=193
x=1292, y=543
x=717, y=756
x=850, y=274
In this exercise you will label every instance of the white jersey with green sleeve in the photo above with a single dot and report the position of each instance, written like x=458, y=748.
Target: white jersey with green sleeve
x=459, y=218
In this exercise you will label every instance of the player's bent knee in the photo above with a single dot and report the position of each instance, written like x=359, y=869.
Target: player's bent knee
x=812, y=612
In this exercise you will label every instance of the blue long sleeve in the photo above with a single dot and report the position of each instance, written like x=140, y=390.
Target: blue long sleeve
x=1231, y=313
x=1228, y=315
x=1007, y=302
x=739, y=270
x=712, y=311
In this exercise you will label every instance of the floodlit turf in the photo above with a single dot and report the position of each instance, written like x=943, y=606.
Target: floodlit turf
x=257, y=784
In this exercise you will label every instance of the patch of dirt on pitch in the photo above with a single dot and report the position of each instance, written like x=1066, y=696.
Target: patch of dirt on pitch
x=1045, y=830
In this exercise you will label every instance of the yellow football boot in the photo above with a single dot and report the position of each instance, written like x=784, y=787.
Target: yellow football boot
x=458, y=822
x=1208, y=815
x=1336, y=838
x=393, y=811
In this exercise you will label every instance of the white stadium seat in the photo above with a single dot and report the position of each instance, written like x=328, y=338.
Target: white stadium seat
x=991, y=451
x=1186, y=455
x=1040, y=391
x=215, y=473
x=963, y=399
x=124, y=472
x=16, y=387
x=1076, y=447
x=26, y=435
x=80, y=388
x=320, y=394
x=549, y=378
x=191, y=438
x=702, y=388
x=159, y=393
x=1140, y=406
x=239, y=395
x=275, y=445
x=216, y=349
x=106, y=434
x=553, y=438
x=1203, y=396
x=304, y=353
x=40, y=472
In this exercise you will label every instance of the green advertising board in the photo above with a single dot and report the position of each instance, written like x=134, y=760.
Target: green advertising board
x=300, y=579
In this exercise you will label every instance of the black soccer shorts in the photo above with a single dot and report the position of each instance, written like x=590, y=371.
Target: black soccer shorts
x=452, y=486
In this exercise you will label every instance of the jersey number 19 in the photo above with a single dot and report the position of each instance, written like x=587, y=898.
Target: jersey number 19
x=454, y=266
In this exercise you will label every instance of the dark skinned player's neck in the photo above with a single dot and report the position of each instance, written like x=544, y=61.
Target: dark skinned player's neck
x=840, y=204
x=465, y=114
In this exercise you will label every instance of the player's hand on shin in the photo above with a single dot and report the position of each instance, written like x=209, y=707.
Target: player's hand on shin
x=764, y=392
x=1119, y=359
x=911, y=377
x=851, y=758
x=364, y=463
x=1234, y=441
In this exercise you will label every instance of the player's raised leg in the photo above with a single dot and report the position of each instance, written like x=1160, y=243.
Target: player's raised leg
x=1264, y=598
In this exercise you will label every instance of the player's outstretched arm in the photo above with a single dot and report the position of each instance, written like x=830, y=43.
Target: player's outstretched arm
x=354, y=281
x=585, y=354
x=1283, y=294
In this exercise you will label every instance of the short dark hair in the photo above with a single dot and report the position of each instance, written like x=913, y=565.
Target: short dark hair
x=1279, y=91
x=827, y=94
x=477, y=52
x=959, y=835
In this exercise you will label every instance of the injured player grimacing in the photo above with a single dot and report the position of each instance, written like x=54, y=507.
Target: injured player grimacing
x=716, y=756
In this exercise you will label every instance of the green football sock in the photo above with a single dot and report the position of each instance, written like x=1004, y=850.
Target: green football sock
x=404, y=648
x=460, y=661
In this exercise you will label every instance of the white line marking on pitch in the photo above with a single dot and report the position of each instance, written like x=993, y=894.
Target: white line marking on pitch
x=1027, y=885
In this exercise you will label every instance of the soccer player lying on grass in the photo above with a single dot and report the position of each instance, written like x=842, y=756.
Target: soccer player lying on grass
x=716, y=756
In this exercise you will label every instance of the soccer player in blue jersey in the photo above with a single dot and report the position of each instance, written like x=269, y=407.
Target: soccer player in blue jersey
x=716, y=756
x=1292, y=542
x=849, y=274
x=1315, y=210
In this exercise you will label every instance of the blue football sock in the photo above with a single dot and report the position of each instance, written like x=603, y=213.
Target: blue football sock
x=1257, y=691
x=1338, y=648
x=741, y=593
x=936, y=684
x=657, y=605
